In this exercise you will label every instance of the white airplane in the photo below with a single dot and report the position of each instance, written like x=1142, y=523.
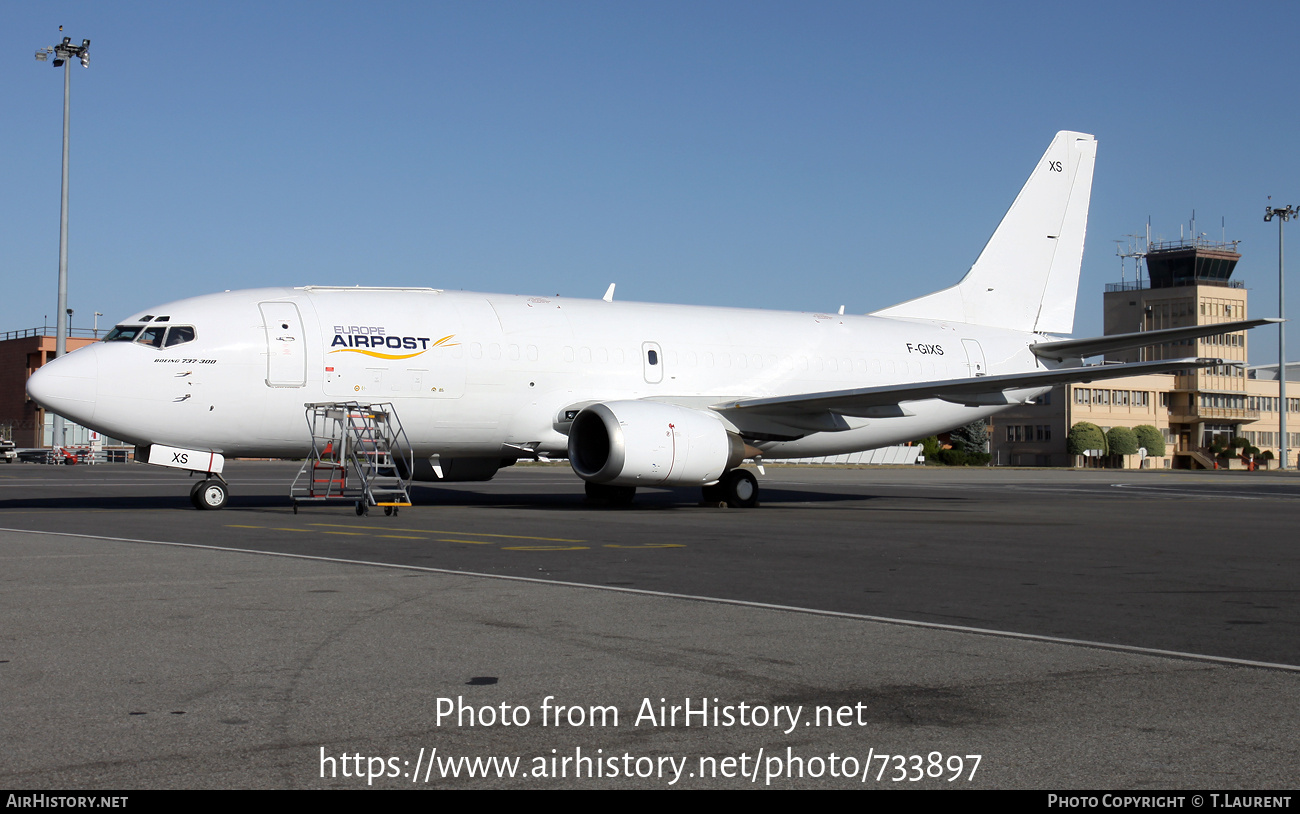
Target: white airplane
x=633, y=394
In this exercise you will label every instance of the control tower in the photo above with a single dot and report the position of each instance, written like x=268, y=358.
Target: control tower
x=1189, y=282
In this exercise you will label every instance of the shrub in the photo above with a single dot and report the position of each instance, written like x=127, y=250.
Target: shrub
x=1122, y=441
x=930, y=447
x=1085, y=436
x=1149, y=437
x=951, y=457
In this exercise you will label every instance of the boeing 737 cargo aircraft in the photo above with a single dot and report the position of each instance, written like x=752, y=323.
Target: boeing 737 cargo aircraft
x=633, y=394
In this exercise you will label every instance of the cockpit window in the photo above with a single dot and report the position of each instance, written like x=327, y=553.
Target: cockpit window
x=155, y=336
x=152, y=335
x=123, y=333
x=179, y=335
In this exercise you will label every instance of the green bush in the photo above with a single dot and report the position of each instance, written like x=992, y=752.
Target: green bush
x=1122, y=441
x=1085, y=436
x=930, y=447
x=955, y=457
x=1149, y=437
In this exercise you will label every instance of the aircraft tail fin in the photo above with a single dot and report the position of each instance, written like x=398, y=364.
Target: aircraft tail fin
x=1027, y=277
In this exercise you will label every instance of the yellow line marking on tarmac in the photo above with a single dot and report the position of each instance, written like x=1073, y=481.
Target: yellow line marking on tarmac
x=467, y=533
x=471, y=542
x=647, y=545
x=545, y=548
x=395, y=536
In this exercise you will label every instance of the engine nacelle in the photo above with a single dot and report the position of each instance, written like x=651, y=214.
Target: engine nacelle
x=646, y=443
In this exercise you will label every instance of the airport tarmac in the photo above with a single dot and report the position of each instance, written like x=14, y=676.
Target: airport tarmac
x=1093, y=630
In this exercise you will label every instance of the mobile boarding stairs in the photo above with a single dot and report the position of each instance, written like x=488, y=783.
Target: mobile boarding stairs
x=359, y=453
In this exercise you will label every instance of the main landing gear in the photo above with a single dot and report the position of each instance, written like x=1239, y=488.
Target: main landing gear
x=210, y=493
x=738, y=489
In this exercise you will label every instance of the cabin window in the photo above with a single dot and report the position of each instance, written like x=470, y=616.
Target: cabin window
x=652, y=357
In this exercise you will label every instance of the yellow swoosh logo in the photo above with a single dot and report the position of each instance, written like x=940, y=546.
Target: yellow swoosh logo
x=377, y=355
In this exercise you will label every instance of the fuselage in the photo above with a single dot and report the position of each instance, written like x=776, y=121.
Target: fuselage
x=484, y=375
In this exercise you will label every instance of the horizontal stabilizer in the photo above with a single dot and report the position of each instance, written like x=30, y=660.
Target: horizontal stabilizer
x=980, y=390
x=1093, y=345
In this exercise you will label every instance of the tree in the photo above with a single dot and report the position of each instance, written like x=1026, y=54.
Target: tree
x=1085, y=436
x=971, y=438
x=1149, y=437
x=930, y=448
x=1122, y=441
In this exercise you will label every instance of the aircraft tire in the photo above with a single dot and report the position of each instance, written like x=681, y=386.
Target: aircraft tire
x=740, y=489
x=714, y=496
x=211, y=494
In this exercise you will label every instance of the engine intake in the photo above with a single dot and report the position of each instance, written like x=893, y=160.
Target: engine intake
x=647, y=443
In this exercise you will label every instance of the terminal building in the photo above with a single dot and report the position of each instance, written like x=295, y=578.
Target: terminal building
x=1189, y=282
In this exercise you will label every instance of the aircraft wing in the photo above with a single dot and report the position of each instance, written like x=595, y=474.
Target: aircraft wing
x=1093, y=345
x=880, y=402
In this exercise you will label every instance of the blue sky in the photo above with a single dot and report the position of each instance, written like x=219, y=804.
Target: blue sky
x=757, y=154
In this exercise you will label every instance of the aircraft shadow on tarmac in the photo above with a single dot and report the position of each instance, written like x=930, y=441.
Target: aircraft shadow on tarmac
x=657, y=499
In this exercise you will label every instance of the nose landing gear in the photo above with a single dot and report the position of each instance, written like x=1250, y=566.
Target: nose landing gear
x=211, y=493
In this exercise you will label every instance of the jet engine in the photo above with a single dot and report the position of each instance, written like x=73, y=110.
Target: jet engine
x=647, y=443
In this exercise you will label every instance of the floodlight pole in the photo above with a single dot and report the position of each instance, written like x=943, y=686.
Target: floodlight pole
x=64, y=53
x=1282, y=215
x=59, y=437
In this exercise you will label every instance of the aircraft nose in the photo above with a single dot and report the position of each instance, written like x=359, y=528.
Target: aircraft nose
x=67, y=385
